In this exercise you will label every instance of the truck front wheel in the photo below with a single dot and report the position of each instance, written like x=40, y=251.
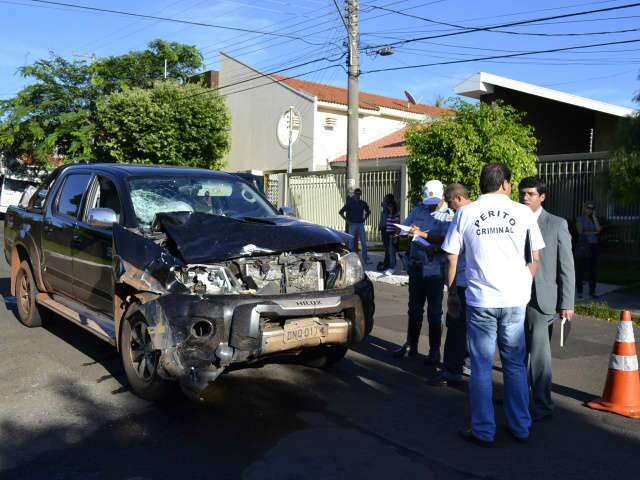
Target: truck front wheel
x=140, y=361
x=26, y=291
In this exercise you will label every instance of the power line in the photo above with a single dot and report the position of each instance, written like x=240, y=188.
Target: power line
x=511, y=24
x=511, y=55
x=168, y=19
x=307, y=32
x=268, y=75
x=537, y=34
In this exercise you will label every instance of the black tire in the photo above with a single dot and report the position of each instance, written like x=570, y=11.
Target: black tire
x=141, y=362
x=26, y=291
x=324, y=356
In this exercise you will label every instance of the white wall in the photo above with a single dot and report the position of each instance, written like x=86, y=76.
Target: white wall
x=254, y=117
x=373, y=125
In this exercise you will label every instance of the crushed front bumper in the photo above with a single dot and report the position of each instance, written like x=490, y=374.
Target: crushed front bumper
x=199, y=336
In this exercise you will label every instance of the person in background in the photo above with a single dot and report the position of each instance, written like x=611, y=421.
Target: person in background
x=356, y=211
x=553, y=291
x=426, y=276
x=390, y=235
x=500, y=240
x=587, y=248
x=382, y=227
x=456, y=354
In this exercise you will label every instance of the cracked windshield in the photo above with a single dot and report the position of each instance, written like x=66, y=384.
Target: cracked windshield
x=215, y=196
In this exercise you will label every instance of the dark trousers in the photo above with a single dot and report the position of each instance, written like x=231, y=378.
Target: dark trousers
x=430, y=289
x=587, y=269
x=456, y=346
x=385, y=242
x=538, y=330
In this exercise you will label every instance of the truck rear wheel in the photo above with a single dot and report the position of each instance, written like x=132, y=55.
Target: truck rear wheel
x=140, y=361
x=26, y=291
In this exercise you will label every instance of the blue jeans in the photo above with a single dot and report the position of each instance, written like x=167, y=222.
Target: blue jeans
x=484, y=326
x=357, y=231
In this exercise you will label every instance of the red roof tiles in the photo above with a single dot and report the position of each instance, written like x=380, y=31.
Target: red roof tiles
x=391, y=146
x=331, y=94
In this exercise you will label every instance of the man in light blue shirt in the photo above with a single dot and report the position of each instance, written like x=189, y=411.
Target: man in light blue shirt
x=430, y=220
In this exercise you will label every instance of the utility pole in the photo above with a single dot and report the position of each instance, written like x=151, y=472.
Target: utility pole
x=353, y=169
x=165, y=68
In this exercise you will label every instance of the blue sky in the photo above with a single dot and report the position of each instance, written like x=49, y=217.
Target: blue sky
x=28, y=31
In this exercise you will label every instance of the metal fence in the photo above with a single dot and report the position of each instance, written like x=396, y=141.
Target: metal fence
x=317, y=197
x=575, y=179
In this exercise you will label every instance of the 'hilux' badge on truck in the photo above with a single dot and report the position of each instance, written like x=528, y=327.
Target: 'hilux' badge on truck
x=309, y=303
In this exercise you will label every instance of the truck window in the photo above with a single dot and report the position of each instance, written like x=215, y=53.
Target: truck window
x=106, y=196
x=71, y=194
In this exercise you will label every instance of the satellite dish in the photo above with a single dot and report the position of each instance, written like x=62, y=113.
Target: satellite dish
x=290, y=118
x=410, y=98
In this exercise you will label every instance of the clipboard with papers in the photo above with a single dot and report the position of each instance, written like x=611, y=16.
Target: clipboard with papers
x=404, y=230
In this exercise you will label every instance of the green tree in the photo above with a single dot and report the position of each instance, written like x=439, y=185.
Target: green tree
x=624, y=169
x=455, y=147
x=143, y=68
x=167, y=124
x=50, y=115
x=56, y=112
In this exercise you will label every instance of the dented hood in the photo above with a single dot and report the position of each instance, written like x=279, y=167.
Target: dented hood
x=202, y=238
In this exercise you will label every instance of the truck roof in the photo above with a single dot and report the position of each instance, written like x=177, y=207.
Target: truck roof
x=124, y=169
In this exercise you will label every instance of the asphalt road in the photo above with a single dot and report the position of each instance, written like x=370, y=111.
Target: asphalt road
x=66, y=413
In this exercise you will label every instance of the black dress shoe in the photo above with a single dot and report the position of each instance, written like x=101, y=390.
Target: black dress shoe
x=438, y=380
x=513, y=436
x=468, y=435
x=444, y=379
x=405, y=350
x=522, y=440
x=432, y=360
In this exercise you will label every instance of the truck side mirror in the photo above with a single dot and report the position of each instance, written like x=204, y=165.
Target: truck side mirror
x=102, y=217
x=288, y=211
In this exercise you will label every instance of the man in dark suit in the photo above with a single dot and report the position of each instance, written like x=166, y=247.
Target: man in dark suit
x=553, y=293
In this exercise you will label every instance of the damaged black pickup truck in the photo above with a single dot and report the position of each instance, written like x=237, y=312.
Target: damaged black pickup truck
x=187, y=272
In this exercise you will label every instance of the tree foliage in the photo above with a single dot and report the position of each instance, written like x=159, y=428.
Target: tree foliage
x=624, y=168
x=455, y=147
x=167, y=124
x=56, y=113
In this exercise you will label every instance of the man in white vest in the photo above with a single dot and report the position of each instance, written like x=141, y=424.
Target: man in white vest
x=500, y=239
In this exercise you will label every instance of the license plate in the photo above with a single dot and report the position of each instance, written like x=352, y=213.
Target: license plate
x=299, y=330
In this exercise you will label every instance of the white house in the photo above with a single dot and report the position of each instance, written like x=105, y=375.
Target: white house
x=257, y=103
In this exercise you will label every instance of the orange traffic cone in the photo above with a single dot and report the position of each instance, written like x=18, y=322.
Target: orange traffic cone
x=622, y=391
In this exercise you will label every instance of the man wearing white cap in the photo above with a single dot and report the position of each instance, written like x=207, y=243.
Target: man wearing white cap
x=431, y=219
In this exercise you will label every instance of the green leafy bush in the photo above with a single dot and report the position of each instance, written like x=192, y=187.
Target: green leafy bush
x=457, y=146
x=170, y=124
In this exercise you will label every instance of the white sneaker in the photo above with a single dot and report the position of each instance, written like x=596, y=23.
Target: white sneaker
x=388, y=272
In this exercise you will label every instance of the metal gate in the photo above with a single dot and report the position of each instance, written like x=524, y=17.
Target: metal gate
x=575, y=179
x=317, y=197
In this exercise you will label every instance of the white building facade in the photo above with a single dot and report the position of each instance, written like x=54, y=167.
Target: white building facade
x=257, y=102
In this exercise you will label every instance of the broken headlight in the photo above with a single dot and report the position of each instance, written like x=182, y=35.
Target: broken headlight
x=209, y=279
x=352, y=270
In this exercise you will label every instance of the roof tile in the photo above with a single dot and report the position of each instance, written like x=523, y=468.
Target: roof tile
x=331, y=94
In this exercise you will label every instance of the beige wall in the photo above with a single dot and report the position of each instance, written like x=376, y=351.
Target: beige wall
x=254, y=118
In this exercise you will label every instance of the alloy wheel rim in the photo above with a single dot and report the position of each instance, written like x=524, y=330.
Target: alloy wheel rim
x=143, y=357
x=25, y=295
